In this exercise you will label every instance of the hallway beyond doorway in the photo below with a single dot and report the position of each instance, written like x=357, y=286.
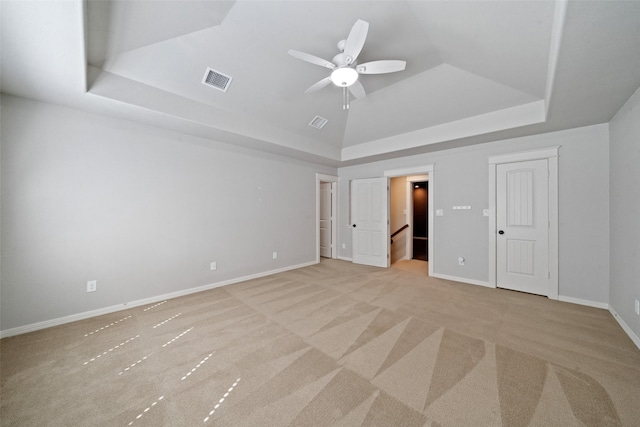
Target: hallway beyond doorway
x=413, y=266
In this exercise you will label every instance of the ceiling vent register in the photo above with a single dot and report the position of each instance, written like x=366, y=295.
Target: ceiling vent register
x=318, y=122
x=216, y=79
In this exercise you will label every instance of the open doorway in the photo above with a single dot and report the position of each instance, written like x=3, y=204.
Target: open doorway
x=411, y=218
x=326, y=216
x=420, y=235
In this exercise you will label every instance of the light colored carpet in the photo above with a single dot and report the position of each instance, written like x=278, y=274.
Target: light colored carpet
x=413, y=266
x=334, y=344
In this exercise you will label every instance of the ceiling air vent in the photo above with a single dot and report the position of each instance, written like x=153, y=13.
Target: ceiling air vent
x=318, y=122
x=216, y=79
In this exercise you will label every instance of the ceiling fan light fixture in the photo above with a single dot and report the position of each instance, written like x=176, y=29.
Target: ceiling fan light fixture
x=344, y=77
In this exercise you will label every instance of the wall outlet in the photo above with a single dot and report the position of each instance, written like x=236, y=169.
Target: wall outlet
x=92, y=285
x=275, y=255
x=460, y=260
x=638, y=307
x=214, y=265
x=344, y=246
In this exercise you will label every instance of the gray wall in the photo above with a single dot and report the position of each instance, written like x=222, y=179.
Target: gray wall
x=141, y=210
x=461, y=177
x=144, y=211
x=624, y=202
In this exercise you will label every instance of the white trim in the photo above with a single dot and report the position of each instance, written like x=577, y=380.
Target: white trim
x=334, y=220
x=508, y=118
x=554, y=228
x=410, y=171
x=127, y=305
x=431, y=221
x=551, y=155
x=524, y=156
x=320, y=177
x=345, y=258
x=461, y=280
x=409, y=207
x=326, y=178
x=584, y=302
x=492, y=228
x=625, y=327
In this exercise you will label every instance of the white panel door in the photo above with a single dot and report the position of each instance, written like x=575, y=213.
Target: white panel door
x=522, y=223
x=369, y=219
x=325, y=219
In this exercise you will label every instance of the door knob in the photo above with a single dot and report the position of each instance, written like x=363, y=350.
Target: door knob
x=500, y=232
x=354, y=226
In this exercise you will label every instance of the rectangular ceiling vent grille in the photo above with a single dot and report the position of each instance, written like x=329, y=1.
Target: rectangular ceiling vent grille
x=216, y=79
x=318, y=122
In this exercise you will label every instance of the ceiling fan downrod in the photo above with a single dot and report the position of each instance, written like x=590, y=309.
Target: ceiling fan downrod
x=345, y=98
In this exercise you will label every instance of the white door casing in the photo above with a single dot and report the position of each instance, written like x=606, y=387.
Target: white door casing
x=428, y=170
x=522, y=220
x=409, y=208
x=369, y=215
x=325, y=220
x=332, y=180
x=549, y=154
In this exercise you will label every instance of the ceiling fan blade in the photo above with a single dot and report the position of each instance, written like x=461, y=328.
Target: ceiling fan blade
x=357, y=90
x=319, y=85
x=381, y=67
x=312, y=59
x=356, y=40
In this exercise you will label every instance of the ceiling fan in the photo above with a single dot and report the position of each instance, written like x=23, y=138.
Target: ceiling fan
x=345, y=70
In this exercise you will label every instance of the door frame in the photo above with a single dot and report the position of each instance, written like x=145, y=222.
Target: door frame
x=334, y=213
x=551, y=155
x=422, y=170
x=409, y=207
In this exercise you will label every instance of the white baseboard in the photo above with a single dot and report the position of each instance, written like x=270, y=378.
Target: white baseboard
x=586, y=302
x=462, y=280
x=344, y=258
x=127, y=305
x=625, y=327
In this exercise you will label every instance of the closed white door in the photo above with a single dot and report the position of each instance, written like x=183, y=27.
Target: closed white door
x=325, y=219
x=369, y=217
x=522, y=223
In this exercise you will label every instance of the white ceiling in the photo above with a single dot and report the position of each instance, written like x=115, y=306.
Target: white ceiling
x=476, y=70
